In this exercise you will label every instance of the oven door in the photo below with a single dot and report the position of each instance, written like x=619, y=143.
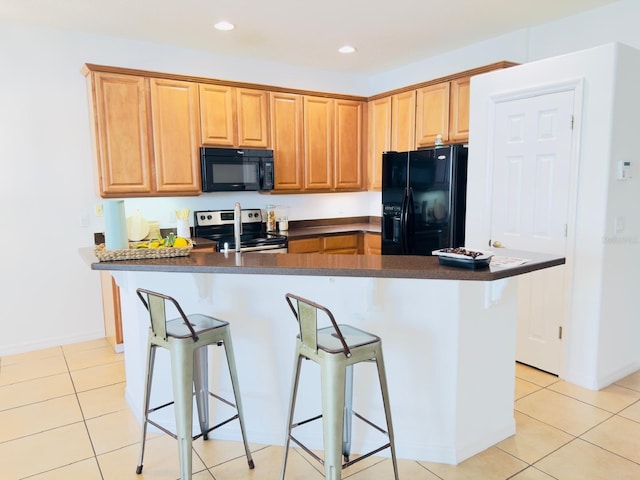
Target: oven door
x=230, y=174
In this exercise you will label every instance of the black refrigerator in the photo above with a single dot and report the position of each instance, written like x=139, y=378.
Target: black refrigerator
x=424, y=199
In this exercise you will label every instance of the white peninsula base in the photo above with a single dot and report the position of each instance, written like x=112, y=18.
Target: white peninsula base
x=449, y=350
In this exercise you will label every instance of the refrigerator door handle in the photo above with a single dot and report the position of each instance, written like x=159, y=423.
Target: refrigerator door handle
x=403, y=221
x=407, y=222
x=410, y=223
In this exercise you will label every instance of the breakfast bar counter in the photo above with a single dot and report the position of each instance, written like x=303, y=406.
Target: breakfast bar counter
x=379, y=266
x=448, y=337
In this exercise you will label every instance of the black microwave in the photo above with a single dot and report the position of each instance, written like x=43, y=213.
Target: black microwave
x=233, y=169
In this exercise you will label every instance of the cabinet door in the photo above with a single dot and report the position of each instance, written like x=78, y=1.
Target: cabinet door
x=287, y=140
x=305, y=245
x=253, y=118
x=379, y=139
x=341, y=244
x=403, y=121
x=459, y=110
x=318, y=143
x=217, y=115
x=372, y=244
x=176, y=141
x=348, y=145
x=121, y=134
x=432, y=115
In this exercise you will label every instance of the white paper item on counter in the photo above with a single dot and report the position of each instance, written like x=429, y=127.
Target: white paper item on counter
x=115, y=225
x=182, y=228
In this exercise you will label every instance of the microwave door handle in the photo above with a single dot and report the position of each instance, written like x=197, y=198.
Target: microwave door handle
x=260, y=174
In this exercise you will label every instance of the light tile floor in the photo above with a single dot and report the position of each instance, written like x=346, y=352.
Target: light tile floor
x=63, y=416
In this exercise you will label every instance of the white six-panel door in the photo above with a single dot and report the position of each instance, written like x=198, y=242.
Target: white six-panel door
x=531, y=183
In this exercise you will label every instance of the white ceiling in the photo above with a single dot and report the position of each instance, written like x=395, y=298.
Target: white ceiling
x=387, y=33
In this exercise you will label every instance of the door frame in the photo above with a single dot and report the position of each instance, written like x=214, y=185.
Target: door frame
x=577, y=86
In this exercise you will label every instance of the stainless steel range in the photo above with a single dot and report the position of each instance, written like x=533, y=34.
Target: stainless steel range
x=217, y=225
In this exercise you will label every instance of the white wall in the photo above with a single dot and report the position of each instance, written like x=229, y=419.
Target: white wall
x=47, y=196
x=46, y=185
x=619, y=332
x=601, y=332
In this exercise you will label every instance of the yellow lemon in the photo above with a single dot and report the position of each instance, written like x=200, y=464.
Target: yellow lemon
x=180, y=242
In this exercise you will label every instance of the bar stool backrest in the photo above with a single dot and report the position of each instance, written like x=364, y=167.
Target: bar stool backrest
x=155, y=303
x=306, y=313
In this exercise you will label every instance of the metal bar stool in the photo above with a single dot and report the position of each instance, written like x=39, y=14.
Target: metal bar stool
x=187, y=338
x=336, y=349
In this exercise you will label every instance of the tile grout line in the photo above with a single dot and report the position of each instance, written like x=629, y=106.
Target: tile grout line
x=84, y=420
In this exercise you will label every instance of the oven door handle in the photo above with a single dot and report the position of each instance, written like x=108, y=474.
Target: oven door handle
x=261, y=247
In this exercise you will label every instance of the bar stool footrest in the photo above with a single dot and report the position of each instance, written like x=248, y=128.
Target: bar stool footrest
x=347, y=462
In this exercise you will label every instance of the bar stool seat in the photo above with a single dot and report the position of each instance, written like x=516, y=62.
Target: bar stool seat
x=336, y=349
x=187, y=338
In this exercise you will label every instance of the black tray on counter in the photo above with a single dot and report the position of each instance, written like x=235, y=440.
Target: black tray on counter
x=465, y=263
x=451, y=259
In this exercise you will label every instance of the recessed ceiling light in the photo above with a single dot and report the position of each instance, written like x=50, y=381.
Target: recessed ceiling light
x=224, y=25
x=347, y=49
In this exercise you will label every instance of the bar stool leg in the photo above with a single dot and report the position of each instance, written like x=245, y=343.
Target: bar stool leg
x=182, y=376
x=201, y=385
x=228, y=348
x=382, y=376
x=292, y=407
x=148, y=378
x=348, y=414
x=333, y=377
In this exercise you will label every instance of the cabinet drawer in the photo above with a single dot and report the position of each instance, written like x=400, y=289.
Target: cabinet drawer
x=341, y=242
x=304, y=245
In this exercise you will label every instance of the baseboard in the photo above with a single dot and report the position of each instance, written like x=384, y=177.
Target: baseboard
x=50, y=342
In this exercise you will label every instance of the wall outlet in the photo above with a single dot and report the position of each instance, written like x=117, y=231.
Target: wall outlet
x=98, y=209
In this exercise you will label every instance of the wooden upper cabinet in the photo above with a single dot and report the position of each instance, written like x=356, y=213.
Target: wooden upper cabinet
x=287, y=140
x=252, y=117
x=318, y=143
x=119, y=109
x=379, y=141
x=217, y=115
x=175, y=124
x=348, y=143
x=432, y=114
x=403, y=121
x=392, y=126
x=459, y=110
x=234, y=117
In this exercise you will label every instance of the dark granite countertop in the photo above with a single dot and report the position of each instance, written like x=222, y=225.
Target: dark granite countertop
x=302, y=229
x=380, y=266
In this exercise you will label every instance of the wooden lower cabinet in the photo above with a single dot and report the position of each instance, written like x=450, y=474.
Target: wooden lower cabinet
x=111, y=311
x=372, y=244
x=342, y=244
x=345, y=244
x=305, y=245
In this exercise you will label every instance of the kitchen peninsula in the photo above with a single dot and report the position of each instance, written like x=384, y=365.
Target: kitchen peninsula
x=448, y=335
